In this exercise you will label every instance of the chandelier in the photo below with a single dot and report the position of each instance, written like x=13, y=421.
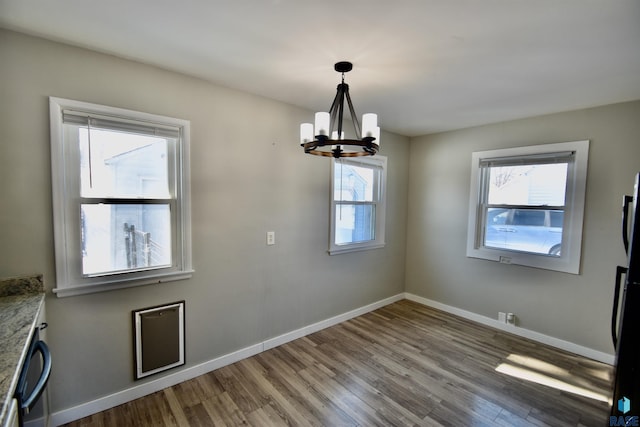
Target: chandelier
x=326, y=138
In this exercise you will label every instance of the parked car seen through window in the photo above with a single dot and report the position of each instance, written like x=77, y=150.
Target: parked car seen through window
x=536, y=231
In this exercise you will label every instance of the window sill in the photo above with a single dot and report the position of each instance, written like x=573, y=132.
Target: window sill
x=353, y=248
x=561, y=264
x=73, y=290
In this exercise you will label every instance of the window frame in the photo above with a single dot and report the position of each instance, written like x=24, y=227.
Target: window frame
x=570, y=254
x=379, y=165
x=67, y=200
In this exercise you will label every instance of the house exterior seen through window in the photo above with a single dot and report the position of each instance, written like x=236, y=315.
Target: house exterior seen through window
x=526, y=205
x=121, y=197
x=120, y=237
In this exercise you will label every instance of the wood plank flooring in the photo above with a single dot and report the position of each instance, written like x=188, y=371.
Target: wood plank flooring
x=404, y=364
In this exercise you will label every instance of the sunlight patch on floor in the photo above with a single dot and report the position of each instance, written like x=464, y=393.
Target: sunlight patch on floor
x=544, y=373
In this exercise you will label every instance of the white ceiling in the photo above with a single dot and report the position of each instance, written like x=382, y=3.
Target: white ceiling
x=423, y=65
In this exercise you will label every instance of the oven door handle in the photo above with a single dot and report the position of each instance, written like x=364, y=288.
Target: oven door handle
x=616, y=298
x=626, y=202
x=28, y=402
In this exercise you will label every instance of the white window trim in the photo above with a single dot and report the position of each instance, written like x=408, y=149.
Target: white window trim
x=569, y=261
x=379, y=242
x=68, y=281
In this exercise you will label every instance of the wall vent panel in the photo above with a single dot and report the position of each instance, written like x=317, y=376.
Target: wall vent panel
x=158, y=338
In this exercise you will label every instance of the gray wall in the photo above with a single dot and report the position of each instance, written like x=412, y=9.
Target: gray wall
x=248, y=176
x=575, y=308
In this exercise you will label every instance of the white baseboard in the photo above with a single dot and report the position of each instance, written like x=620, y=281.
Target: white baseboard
x=526, y=333
x=315, y=327
x=118, y=398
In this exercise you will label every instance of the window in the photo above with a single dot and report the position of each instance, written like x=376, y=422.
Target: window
x=357, y=203
x=526, y=205
x=121, y=197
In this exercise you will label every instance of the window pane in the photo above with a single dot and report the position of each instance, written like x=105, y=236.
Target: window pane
x=535, y=231
x=532, y=185
x=528, y=217
x=354, y=223
x=120, y=238
x=119, y=164
x=353, y=183
x=557, y=218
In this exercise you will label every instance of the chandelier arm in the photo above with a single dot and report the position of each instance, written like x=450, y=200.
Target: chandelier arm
x=342, y=89
x=333, y=111
x=354, y=117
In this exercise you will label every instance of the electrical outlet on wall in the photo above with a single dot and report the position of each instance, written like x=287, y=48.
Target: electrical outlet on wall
x=502, y=317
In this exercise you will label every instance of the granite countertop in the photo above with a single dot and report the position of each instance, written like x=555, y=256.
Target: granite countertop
x=21, y=300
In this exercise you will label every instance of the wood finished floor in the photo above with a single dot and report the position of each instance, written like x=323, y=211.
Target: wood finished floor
x=404, y=364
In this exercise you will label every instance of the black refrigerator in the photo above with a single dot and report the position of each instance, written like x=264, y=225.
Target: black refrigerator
x=625, y=322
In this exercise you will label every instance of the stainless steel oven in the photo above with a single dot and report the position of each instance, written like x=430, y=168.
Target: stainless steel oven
x=34, y=375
